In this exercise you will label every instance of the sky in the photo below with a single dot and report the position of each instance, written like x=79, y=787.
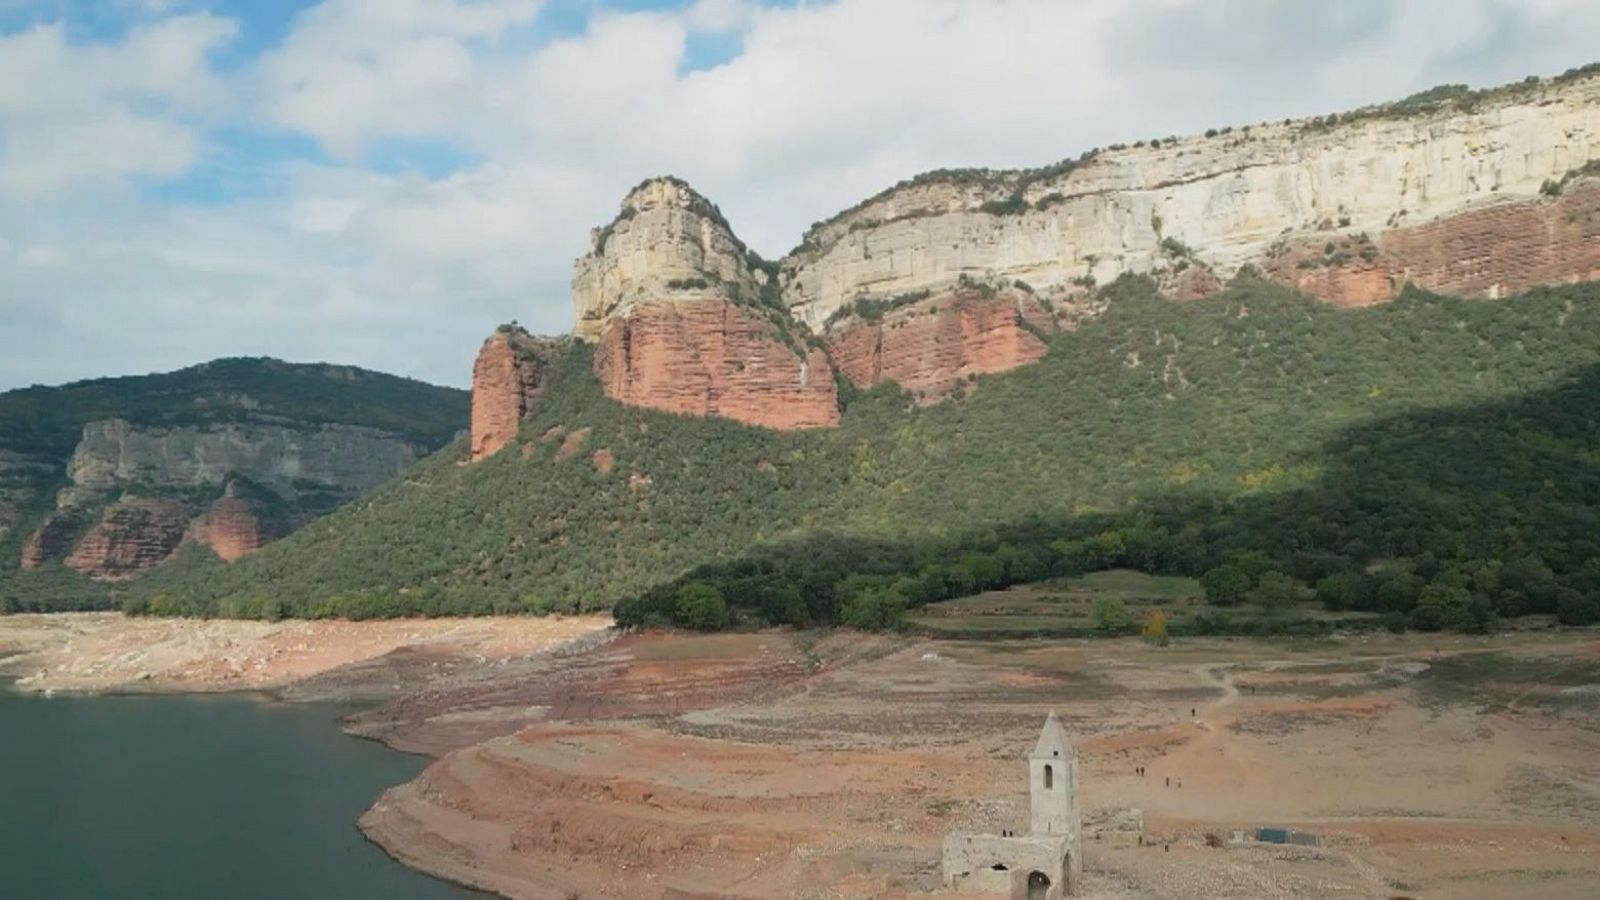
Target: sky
x=382, y=182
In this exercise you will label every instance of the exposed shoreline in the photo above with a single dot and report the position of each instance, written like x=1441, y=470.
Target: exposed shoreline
x=570, y=759
x=109, y=653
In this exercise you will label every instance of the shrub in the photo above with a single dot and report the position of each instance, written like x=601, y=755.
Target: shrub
x=700, y=606
x=1110, y=615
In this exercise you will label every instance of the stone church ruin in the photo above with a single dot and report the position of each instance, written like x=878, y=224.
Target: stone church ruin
x=1045, y=863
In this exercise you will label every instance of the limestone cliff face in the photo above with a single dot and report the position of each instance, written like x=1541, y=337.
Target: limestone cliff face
x=685, y=323
x=291, y=456
x=668, y=242
x=932, y=346
x=507, y=380
x=1230, y=199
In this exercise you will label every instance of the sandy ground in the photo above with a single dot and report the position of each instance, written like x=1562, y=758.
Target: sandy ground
x=99, y=652
x=575, y=762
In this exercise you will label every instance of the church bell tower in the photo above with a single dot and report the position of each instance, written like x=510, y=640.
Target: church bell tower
x=1053, y=782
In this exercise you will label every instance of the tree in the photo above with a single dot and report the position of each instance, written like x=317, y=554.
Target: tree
x=700, y=606
x=1276, y=593
x=1449, y=601
x=1225, y=585
x=1109, y=615
x=874, y=609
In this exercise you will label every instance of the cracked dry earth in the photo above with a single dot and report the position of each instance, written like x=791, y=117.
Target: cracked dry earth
x=783, y=765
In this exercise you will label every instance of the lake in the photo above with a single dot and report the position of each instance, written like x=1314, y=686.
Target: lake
x=193, y=797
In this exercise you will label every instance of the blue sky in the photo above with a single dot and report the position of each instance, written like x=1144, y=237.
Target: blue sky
x=381, y=182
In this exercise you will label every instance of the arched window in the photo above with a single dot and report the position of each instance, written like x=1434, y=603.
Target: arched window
x=1049, y=777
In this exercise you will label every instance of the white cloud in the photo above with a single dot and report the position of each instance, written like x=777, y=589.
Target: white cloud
x=70, y=113
x=828, y=102
x=354, y=70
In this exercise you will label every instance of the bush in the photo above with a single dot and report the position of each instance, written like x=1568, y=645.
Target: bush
x=700, y=607
x=1110, y=615
x=1225, y=585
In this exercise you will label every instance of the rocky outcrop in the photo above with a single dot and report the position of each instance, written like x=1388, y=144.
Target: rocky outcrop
x=711, y=357
x=508, y=378
x=1476, y=193
x=1492, y=251
x=1431, y=172
x=932, y=346
x=296, y=471
x=668, y=242
x=687, y=321
x=132, y=535
x=238, y=523
x=53, y=539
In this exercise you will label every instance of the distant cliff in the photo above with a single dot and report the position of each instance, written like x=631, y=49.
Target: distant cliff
x=959, y=273
x=112, y=477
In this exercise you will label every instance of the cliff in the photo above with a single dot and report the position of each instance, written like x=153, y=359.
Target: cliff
x=508, y=378
x=934, y=345
x=1456, y=191
x=687, y=320
x=1473, y=193
x=147, y=489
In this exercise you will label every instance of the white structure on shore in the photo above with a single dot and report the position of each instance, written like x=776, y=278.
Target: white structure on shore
x=1044, y=864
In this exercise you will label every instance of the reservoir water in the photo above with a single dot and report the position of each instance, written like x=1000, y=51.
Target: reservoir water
x=181, y=798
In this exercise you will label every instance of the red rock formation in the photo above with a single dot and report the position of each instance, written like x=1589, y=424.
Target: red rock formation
x=711, y=357
x=1504, y=249
x=507, y=380
x=931, y=346
x=1355, y=272
x=52, y=539
x=132, y=535
x=1492, y=251
x=231, y=528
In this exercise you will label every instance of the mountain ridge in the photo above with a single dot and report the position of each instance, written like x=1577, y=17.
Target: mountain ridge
x=109, y=477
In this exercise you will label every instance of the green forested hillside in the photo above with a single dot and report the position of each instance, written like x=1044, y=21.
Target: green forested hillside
x=49, y=420
x=1432, y=454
